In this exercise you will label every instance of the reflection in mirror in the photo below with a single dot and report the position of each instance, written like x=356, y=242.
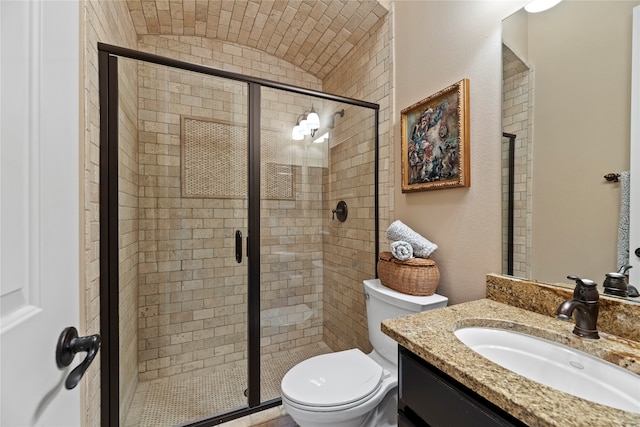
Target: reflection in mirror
x=566, y=97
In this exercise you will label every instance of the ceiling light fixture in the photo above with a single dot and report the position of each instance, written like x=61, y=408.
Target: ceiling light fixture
x=313, y=120
x=540, y=5
x=306, y=124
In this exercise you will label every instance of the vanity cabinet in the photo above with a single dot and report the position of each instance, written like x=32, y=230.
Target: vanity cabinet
x=429, y=397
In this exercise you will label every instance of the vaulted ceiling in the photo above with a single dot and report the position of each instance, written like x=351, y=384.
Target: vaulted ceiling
x=312, y=34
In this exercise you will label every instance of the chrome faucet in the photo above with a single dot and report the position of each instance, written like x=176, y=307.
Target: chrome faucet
x=585, y=304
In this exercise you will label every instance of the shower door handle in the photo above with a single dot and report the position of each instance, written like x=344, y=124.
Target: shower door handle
x=238, y=246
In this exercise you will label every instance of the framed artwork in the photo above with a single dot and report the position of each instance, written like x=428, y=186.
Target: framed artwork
x=435, y=141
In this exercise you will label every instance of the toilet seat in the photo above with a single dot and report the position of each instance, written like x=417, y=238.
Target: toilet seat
x=333, y=381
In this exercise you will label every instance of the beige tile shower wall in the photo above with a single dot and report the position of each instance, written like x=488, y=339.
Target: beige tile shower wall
x=192, y=303
x=107, y=22
x=229, y=57
x=192, y=292
x=292, y=265
x=517, y=119
x=365, y=74
x=349, y=246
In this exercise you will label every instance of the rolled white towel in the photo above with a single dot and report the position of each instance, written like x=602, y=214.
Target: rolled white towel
x=421, y=247
x=402, y=250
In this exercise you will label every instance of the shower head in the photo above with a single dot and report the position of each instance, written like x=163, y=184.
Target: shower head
x=332, y=118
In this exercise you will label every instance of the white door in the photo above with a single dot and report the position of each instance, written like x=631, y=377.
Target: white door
x=39, y=208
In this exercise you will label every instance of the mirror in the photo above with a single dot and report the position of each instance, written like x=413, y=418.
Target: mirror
x=566, y=98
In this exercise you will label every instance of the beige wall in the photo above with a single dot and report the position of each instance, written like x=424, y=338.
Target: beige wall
x=581, y=55
x=438, y=43
x=515, y=33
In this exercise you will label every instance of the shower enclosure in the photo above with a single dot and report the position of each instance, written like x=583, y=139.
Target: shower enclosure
x=219, y=239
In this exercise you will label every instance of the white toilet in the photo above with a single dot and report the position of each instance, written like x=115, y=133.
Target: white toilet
x=350, y=388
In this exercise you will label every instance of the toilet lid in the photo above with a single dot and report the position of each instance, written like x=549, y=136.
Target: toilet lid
x=332, y=379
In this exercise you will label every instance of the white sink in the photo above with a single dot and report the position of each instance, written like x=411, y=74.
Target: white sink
x=557, y=366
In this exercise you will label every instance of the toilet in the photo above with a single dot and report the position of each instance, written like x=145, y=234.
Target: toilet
x=350, y=388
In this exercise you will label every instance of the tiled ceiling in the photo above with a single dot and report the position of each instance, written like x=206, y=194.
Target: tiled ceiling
x=312, y=34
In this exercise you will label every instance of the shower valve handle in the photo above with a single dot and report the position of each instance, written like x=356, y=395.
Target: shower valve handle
x=341, y=211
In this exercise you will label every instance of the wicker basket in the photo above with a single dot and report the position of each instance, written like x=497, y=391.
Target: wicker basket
x=416, y=276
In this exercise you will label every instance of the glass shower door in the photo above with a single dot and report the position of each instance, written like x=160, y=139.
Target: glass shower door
x=183, y=150
x=311, y=263
x=291, y=213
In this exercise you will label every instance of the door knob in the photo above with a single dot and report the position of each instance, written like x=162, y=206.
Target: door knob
x=68, y=345
x=637, y=252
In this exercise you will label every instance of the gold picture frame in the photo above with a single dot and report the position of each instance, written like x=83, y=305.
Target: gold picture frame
x=435, y=141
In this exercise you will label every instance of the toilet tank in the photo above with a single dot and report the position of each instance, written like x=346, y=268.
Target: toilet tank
x=385, y=303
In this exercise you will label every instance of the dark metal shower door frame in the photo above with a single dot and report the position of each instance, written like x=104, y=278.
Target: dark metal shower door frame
x=510, y=199
x=109, y=255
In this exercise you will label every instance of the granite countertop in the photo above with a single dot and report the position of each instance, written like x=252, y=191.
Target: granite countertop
x=430, y=335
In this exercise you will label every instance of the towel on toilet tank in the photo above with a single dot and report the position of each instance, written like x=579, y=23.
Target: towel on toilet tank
x=402, y=250
x=421, y=247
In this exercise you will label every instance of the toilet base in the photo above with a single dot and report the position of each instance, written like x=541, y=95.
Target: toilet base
x=386, y=413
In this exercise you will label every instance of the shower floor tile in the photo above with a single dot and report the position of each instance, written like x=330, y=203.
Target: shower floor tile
x=170, y=401
x=274, y=417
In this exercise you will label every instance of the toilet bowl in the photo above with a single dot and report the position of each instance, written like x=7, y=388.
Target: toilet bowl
x=338, y=389
x=350, y=388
